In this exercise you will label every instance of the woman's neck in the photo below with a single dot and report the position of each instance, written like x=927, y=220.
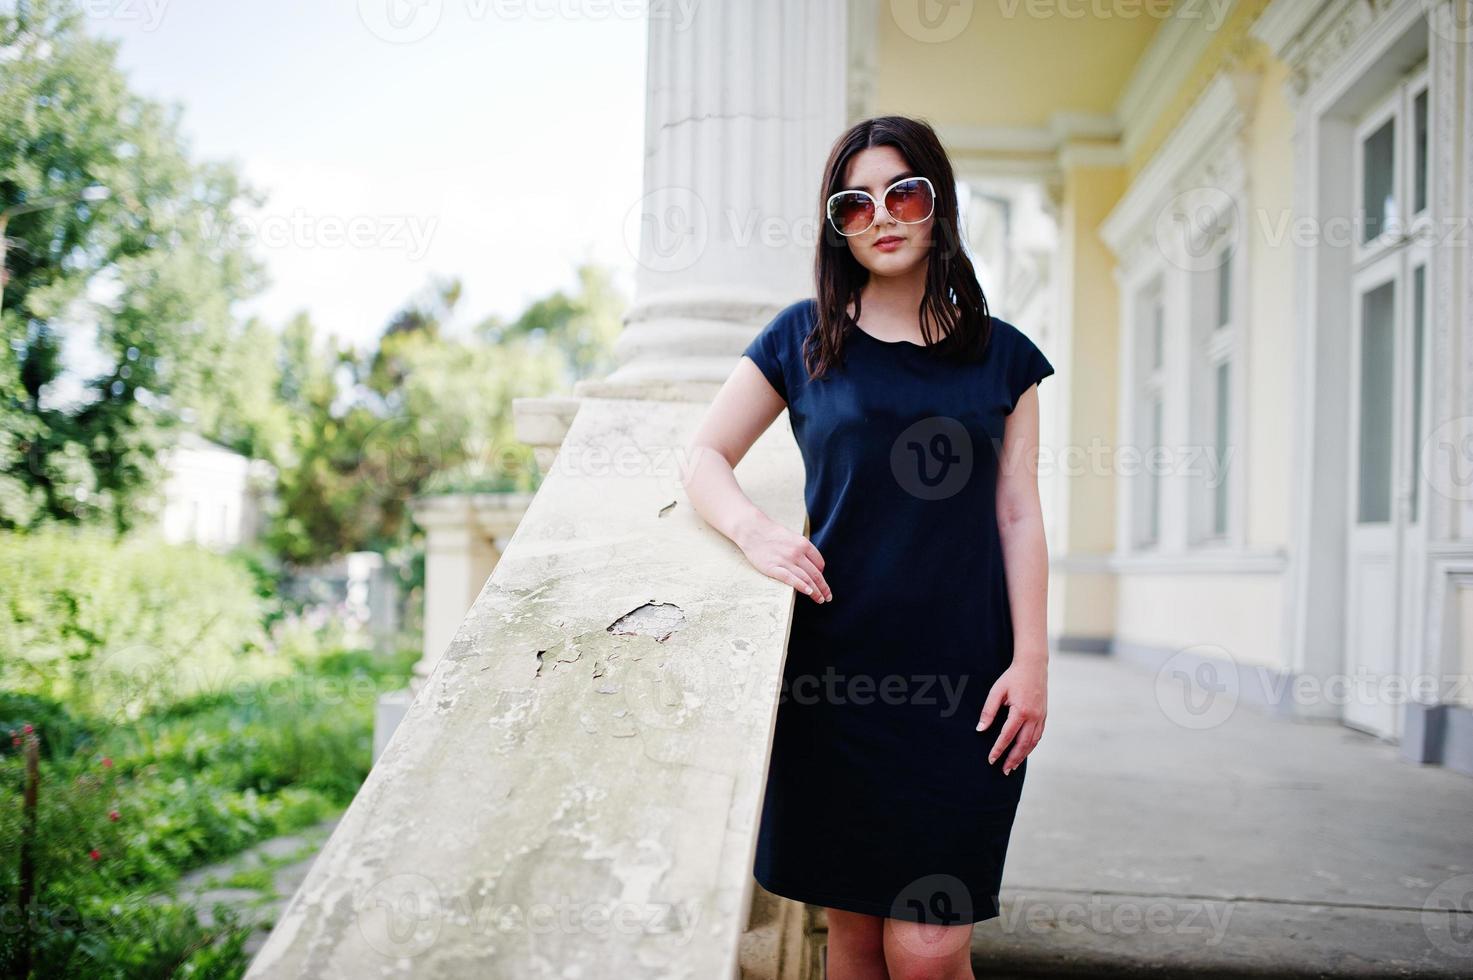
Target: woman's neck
x=891, y=306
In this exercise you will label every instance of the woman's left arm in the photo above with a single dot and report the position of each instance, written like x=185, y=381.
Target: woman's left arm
x=1023, y=687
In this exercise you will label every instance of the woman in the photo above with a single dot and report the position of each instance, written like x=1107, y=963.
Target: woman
x=915, y=684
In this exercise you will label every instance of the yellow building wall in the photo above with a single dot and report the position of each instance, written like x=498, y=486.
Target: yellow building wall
x=1006, y=64
x=1090, y=317
x=1082, y=602
x=1241, y=614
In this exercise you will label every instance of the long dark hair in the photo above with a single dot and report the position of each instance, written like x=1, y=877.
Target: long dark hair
x=954, y=318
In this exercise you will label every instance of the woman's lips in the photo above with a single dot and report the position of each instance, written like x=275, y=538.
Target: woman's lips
x=889, y=243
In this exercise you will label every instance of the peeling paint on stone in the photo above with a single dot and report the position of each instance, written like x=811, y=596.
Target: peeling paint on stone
x=657, y=619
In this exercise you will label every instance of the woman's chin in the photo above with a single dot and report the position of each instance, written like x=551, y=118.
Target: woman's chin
x=896, y=263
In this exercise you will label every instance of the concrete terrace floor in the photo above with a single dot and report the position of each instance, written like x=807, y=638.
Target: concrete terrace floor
x=1259, y=847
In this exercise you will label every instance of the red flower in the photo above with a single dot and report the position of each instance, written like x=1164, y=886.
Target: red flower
x=107, y=761
x=94, y=854
x=15, y=740
x=112, y=815
x=28, y=729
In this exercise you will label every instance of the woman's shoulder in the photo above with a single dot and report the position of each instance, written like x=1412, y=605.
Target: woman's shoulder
x=1010, y=339
x=1005, y=329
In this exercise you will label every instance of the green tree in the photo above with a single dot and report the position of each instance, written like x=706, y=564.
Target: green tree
x=106, y=221
x=429, y=409
x=240, y=403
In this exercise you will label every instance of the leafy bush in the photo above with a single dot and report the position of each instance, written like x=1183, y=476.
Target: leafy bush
x=173, y=731
x=112, y=629
x=66, y=734
x=178, y=788
x=120, y=938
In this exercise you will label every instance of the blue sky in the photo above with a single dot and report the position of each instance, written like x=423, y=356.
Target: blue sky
x=495, y=140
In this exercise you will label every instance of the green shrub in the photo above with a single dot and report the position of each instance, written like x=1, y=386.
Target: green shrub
x=125, y=938
x=65, y=734
x=115, y=628
x=174, y=732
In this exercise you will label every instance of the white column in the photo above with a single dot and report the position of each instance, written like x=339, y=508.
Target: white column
x=744, y=99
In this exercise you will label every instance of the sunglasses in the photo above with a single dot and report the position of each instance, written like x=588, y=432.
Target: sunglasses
x=909, y=201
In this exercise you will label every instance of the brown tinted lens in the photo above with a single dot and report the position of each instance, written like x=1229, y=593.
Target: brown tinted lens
x=910, y=201
x=852, y=213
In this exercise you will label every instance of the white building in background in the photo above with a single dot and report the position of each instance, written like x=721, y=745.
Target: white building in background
x=212, y=496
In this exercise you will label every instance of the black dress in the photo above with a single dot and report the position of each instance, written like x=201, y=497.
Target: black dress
x=879, y=796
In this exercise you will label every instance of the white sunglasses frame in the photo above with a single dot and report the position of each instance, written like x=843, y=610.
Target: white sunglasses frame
x=879, y=203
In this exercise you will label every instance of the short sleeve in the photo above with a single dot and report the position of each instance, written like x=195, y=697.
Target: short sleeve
x=1026, y=365
x=769, y=351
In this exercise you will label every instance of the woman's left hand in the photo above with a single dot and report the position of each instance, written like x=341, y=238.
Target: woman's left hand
x=1023, y=687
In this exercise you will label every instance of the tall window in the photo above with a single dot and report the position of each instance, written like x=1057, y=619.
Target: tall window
x=1213, y=331
x=1390, y=284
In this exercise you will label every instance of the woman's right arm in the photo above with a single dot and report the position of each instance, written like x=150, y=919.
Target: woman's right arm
x=741, y=411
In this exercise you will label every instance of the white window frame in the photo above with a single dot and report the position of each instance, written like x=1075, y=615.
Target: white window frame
x=1211, y=470
x=1399, y=107
x=1150, y=347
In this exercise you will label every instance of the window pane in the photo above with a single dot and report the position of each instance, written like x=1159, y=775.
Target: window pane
x=1155, y=474
x=1158, y=324
x=1419, y=192
x=1378, y=179
x=1219, y=492
x=1378, y=309
x=1419, y=299
x=1225, y=289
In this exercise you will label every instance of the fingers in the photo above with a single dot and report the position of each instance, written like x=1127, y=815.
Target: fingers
x=989, y=708
x=807, y=567
x=813, y=554
x=1009, y=729
x=1027, y=740
x=795, y=578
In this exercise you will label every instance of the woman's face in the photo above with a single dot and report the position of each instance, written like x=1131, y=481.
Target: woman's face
x=887, y=247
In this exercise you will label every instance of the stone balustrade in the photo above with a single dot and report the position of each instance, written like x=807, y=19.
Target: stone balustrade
x=574, y=791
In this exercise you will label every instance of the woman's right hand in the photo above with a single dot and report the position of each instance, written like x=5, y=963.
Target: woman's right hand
x=786, y=556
